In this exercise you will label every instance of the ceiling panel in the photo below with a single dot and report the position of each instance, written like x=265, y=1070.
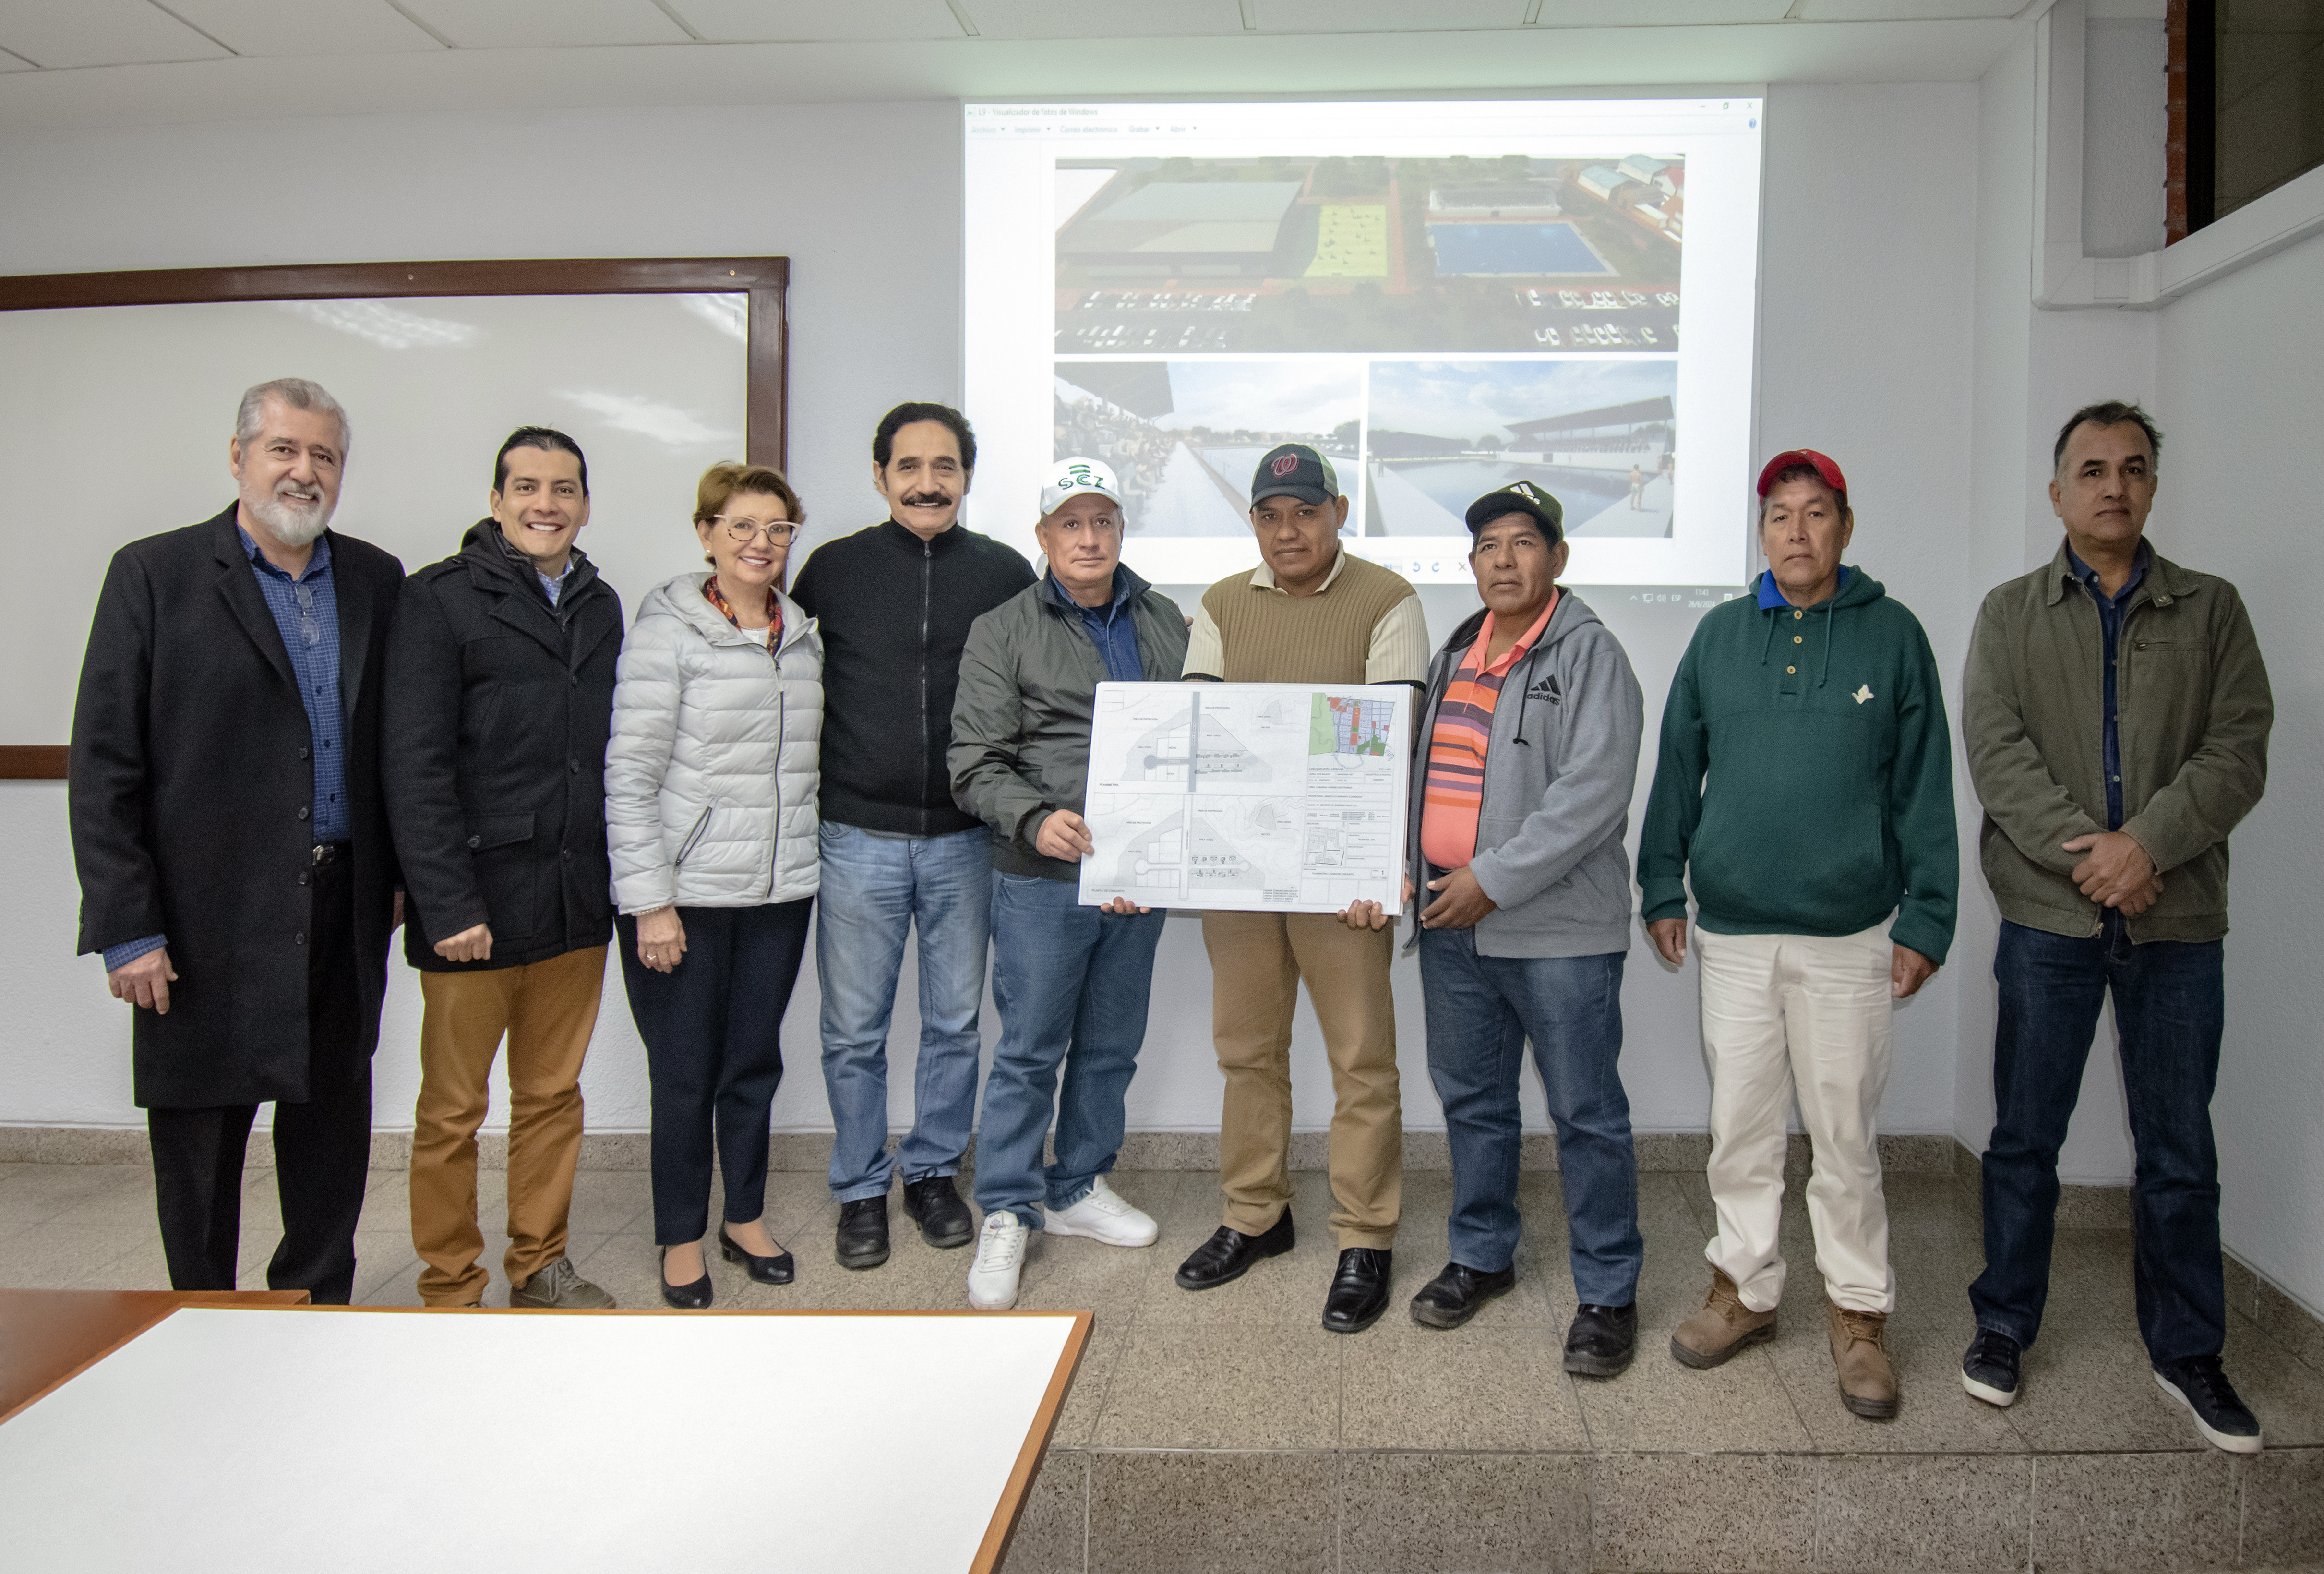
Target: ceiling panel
x=305, y=27
x=1909, y=10
x=1657, y=13
x=782, y=21
x=546, y=24
x=1102, y=19
x=98, y=32
x=1386, y=15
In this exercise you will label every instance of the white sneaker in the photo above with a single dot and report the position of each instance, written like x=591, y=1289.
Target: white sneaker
x=1000, y=1258
x=1102, y=1216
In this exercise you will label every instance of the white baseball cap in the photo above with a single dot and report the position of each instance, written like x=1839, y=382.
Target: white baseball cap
x=1074, y=476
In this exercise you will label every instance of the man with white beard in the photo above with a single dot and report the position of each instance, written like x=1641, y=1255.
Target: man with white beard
x=232, y=845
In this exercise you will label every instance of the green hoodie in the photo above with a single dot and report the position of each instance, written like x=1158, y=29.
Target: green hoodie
x=1806, y=775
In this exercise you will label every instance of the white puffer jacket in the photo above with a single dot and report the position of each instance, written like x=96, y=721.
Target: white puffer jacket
x=711, y=776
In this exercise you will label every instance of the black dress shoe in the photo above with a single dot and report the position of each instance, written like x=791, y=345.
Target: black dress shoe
x=1359, y=1291
x=863, y=1233
x=1229, y=1253
x=775, y=1269
x=944, y=1218
x=1601, y=1340
x=1453, y=1296
x=694, y=1297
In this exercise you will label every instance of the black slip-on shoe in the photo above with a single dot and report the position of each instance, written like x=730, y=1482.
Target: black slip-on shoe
x=1359, y=1292
x=1601, y=1340
x=863, y=1241
x=936, y=1207
x=1229, y=1253
x=1989, y=1367
x=2220, y=1415
x=1455, y=1295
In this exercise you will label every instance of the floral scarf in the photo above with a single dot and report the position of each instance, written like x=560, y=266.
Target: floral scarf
x=712, y=594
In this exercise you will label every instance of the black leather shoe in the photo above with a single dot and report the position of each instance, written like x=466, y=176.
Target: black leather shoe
x=694, y=1297
x=944, y=1218
x=863, y=1233
x=1359, y=1291
x=775, y=1270
x=1229, y=1253
x=1453, y=1296
x=1989, y=1367
x=1601, y=1340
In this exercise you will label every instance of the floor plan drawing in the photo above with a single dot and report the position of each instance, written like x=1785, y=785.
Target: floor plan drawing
x=1256, y=796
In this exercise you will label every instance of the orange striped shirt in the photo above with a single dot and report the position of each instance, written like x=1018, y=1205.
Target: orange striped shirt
x=1454, y=793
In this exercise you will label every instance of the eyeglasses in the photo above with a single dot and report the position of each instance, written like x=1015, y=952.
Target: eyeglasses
x=741, y=531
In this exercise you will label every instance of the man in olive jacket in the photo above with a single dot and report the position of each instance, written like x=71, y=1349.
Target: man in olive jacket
x=2116, y=718
x=500, y=702
x=1070, y=981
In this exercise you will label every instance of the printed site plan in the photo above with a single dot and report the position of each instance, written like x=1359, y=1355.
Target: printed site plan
x=1275, y=797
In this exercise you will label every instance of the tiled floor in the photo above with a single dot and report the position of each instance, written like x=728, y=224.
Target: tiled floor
x=1228, y=1432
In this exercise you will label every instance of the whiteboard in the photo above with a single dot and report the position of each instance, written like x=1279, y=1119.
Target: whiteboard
x=114, y=424
x=241, y=1438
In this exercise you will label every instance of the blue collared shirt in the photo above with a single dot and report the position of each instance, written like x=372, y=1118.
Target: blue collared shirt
x=2110, y=611
x=557, y=586
x=1771, y=595
x=1110, y=629
x=307, y=613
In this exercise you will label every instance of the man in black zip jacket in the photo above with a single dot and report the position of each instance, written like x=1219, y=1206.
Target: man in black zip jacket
x=500, y=699
x=894, y=604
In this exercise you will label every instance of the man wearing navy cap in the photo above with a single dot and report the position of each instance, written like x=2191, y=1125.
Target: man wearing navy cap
x=1805, y=781
x=1520, y=796
x=1310, y=613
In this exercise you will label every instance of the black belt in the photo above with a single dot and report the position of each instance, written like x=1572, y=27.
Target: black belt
x=333, y=852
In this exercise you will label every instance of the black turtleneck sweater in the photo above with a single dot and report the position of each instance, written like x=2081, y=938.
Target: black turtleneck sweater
x=893, y=611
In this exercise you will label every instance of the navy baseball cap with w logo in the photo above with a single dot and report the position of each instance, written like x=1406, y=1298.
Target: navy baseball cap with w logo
x=1295, y=470
x=1519, y=498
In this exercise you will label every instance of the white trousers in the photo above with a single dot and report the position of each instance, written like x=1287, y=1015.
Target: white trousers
x=1798, y=1014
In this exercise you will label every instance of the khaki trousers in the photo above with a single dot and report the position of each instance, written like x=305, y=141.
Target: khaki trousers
x=1785, y=1014
x=1257, y=960
x=547, y=1011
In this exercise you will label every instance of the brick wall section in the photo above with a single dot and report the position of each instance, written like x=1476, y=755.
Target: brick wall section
x=2174, y=78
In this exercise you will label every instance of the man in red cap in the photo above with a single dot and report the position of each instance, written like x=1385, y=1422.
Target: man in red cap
x=1805, y=782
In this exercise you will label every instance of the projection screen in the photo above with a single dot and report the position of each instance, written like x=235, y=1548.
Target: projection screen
x=1443, y=297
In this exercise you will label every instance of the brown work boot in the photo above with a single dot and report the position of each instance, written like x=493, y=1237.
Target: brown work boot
x=1860, y=1349
x=1724, y=1326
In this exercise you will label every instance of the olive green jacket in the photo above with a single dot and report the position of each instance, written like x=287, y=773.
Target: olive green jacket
x=2192, y=712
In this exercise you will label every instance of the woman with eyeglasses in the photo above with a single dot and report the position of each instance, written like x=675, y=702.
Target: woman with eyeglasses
x=710, y=814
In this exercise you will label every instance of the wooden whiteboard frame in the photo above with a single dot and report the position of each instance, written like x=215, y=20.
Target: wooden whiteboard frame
x=764, y=280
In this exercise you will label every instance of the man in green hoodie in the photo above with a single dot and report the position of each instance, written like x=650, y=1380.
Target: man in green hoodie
x=1805, y=779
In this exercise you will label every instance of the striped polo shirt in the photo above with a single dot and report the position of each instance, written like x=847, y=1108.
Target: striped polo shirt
x=1455, y=788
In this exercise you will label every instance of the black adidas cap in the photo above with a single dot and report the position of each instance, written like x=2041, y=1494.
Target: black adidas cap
x=1519, y=498
x=1295, y=470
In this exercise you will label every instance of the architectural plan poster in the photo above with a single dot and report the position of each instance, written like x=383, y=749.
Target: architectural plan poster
x=1267, y=797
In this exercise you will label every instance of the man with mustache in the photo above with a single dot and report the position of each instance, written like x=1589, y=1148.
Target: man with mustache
x=499, y=707
x=232, y=843
x=1071, y=982
x=894, y=604
x=1805, y=781
x=2106, y=844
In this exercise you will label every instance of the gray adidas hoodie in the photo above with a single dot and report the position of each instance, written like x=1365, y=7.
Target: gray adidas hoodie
x=1558, y=777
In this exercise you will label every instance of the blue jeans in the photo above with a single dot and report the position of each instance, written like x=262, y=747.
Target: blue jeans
x=1072, y=984
x=1481, y=1010
x=874, y=890
x=2169, y=1005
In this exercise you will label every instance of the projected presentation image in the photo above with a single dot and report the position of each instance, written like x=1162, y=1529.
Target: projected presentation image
x=1185, y=437
x=1460, y=252
x=1601, y=436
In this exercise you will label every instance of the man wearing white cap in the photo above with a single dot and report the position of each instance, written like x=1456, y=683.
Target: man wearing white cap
x=1071, y=981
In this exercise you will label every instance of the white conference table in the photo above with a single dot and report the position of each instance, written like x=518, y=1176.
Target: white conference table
x=227, y=1436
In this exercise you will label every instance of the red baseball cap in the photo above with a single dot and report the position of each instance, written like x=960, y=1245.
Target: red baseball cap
x=1823, y=465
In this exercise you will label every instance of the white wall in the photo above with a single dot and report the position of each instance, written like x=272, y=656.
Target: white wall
x=2241, y=379
x=1870, y=273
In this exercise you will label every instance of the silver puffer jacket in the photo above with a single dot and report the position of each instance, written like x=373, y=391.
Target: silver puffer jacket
x=710, y=778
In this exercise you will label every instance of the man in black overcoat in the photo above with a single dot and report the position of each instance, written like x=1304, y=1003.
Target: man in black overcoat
x=228, y=831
